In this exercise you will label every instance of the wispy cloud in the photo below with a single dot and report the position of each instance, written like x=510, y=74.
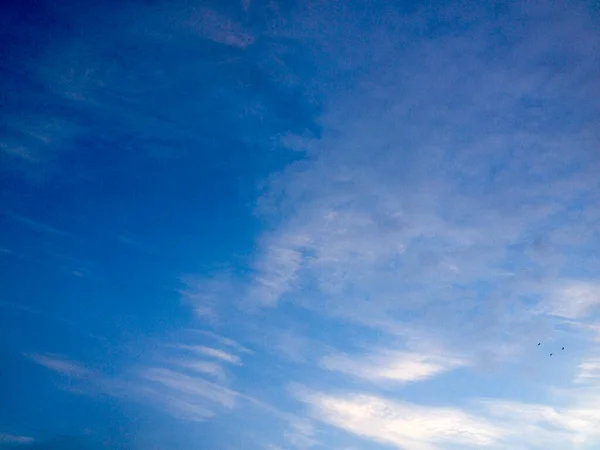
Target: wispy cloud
x=301, y=434
x=204, y=367
x=36, y=225
x=213, y=353
x=204, y=295
x=20, y=307
x=14, y=439
x=572, y=425
x=277, y=270
x=490, y=423
x=34, y=140
x=181, y=407
x=414, y=210
x=223, y=340
x=401, y=424
x=574, y=299
x=444, y=208
x=59, y=364
x=187, y=381
x=77, y=81
x=186, y=386
x=17, y=151
x=589, y=371
x=216, y=27
x=392, y=366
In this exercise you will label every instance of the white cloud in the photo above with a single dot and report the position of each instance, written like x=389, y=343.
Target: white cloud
x=277, y=271
x=574, y=299
x=293, y=346
x=447, y=199
x=301, y=434
x=177, y=387
x=393, y=366
x=206, y=295
x=439, y=205
x=59, y=364
x=213, y=353
x=589, y=371
x=204, y=367
x=492, y=423
x=224, y=340
x=183, y=407
x=183, y=386
x=575, y=424
x=400, y=424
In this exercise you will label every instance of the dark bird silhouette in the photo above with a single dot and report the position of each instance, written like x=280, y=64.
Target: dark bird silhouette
x=550, y=354
x=562, y=348
x=539, y=344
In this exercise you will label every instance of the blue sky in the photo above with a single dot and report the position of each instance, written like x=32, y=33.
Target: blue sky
x=299, y=225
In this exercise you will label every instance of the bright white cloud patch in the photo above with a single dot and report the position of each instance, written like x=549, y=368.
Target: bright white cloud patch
x=392, y=366
x=402, y=425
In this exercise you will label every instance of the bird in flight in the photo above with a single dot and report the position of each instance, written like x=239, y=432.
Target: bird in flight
x=539, y=344
x=563, y=348
x=550, y=354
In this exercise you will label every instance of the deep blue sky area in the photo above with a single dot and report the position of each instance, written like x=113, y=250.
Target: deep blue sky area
x=274, y=225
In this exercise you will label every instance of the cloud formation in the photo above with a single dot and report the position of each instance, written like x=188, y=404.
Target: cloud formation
x=392, y=366
x=574, y=299
x=403, y=425
x=447, y=200
x=183, y=384
x=59, y=364
x=213, y=353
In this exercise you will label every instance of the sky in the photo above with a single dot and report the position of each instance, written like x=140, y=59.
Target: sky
x=294, y=225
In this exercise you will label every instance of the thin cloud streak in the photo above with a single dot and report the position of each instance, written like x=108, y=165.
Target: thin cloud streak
x=574, y=299
x=15, y=439
x=191, y=386
x=178, y=386
x=392, y=366
x=213, y=353
x=589, y=371
x=36, y=225
x=59, y=364
x=203, y=367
